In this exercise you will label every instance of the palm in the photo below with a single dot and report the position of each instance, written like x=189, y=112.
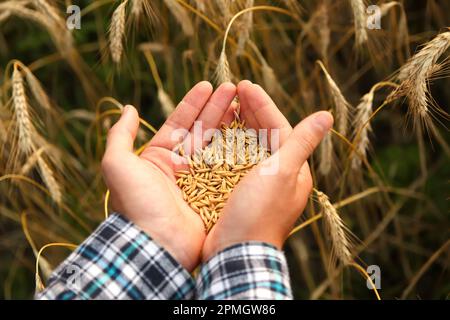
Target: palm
x=143, y=187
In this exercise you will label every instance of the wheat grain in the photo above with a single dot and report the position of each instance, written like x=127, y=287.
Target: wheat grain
x=21, y=111
x=49, y=180
x=215, y=170
x=117, y=32
x=341, y=104
x=359, y=16
x=336, y=228
x=181, y=16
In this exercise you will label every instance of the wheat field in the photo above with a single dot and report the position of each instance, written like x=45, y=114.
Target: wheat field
x=381, y=176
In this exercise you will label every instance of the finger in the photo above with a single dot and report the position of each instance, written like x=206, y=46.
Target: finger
x=245, y=112
x=122, y=134
x=187, y=111
x=264, y=109
x=305, y=137
x=213, y=111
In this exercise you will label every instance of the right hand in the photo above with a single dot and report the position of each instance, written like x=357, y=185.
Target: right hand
x=265, y=207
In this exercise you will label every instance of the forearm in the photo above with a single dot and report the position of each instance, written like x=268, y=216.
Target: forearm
x=119, y=261
x=249, y=270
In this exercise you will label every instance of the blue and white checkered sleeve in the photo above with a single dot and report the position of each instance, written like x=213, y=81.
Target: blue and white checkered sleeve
x=249, y=270
x=119, y=261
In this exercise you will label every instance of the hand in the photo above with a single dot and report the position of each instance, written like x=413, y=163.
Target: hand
x=143, y=187
x=265, y=207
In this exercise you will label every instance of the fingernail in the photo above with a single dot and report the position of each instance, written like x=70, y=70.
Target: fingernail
x=324, y=120
x=126, y=109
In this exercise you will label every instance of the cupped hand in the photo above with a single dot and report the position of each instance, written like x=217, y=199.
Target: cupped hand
x=268, y=200
x=143, y=187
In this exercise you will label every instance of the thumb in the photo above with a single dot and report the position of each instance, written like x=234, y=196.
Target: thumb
x=122, y=134
x=305, y=137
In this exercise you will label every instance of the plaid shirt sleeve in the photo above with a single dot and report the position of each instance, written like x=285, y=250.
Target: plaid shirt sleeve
x=119, y=261
x=250, y=270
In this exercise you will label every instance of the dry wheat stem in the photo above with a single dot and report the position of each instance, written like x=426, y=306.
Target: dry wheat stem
x=359, y=15
x=336, y=228
x=117, y=32
x=215, y=170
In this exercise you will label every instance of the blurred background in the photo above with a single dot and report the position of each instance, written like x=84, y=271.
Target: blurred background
x=149, y=53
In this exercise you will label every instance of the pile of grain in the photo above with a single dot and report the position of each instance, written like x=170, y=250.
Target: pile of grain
x=215, y=170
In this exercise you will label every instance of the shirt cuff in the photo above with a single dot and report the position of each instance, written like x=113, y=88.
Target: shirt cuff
x=119, y=261
x=249, y=270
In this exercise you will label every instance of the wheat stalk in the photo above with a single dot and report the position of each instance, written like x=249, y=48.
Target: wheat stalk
x=359, y=15
x=21, y=111
x=341, y=104
x=339, y=233
x=181, y=16
x=117, y=32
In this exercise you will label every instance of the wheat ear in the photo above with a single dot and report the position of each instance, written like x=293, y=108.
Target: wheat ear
x=21, y=111
x=117, y=32
x=416, y=74
x=49, y=179
x=326, y=154
x=359, y=16
x=363, y=113
x=336, y=228
x=181, y=16
x=36, y=89
x=341, y=104
x=222, y=73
